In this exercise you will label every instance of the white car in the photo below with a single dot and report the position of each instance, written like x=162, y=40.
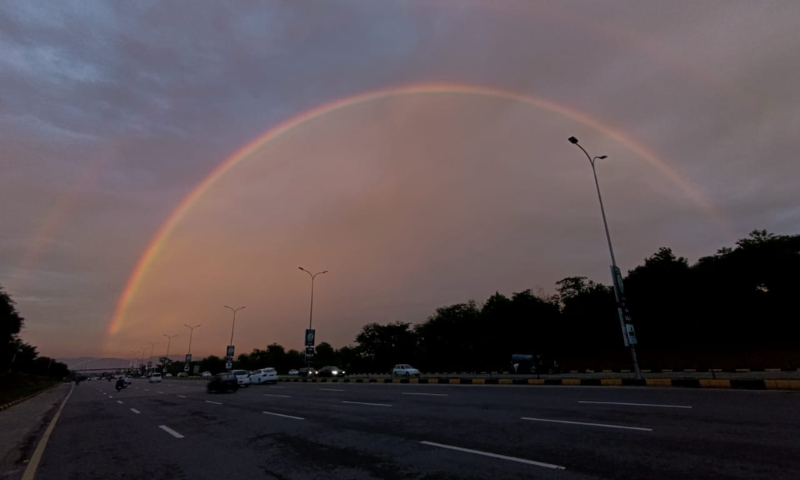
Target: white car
x=264, y=375
x=242, y=376
x=206, y=374
x=294, y=372
x=168, y=375
x=155, y=378
x=404, y=370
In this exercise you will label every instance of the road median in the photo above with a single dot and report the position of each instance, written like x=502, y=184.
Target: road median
x=736, y=384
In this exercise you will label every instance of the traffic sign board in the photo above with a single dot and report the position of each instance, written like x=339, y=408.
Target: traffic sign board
x=188, y=358
x=229, y=351
x=186, y=368
x=228, y=365
x=310, y=334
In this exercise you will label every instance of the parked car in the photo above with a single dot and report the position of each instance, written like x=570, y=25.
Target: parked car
x=264, y=375
x=404, y=370
x=294, y=372
x=243, y=376
x=206, y=374
x=223, y=382
x=169, y=375
x=307, y=372
x=331, y=372
x=155, y=378
x=183, y=374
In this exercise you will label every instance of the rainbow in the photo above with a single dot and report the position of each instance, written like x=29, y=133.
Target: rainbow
x=159, y=240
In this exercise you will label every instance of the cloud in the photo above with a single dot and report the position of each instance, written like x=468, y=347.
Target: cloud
x=113, y=112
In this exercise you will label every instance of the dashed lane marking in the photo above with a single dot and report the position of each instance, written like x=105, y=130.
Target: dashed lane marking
x=282, y=396
x=370, y=404
x=215, y=403
x=170, y=431
x=427, y=394
x=635, y=404
x=282, y=415
x=605, y=425
x=182, y=396
x=119, y=401
x=135, y=411
x=494, y=455
x=330, y=390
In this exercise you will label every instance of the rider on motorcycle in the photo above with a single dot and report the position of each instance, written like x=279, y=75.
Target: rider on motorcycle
x=120, y=383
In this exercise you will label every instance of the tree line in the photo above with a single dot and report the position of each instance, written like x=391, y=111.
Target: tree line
x=735, y=307
x=18, y=356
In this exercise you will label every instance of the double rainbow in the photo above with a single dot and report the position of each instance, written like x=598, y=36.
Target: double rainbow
x=161, y=237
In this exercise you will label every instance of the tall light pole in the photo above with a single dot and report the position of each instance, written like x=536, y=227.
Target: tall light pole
x=233, y=325
x=169, y=341
x=191, y=332
x=313, y=276
x=628, y=334
x=152, y=346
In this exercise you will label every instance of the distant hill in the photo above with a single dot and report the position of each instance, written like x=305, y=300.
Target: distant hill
x=101, y=363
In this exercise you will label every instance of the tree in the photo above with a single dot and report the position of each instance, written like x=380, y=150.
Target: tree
x=11, y=323
x=381, y=346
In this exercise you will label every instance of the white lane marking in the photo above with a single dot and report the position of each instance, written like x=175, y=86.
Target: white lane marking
x=330, y=390
x=635, y=404
x=427, y=394
x=160, y=392
x=370, y=404
x=119, y=401
x=135, y=411
x=146, y=390
x=282, y=396
x=587, y=424
x=494, y=455
x=30, y=470
x=170, y=431
x=182, y=396
x=284, y=416
x=215, y=403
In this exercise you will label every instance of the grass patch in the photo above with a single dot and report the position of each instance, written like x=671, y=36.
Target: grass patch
x=16, y=386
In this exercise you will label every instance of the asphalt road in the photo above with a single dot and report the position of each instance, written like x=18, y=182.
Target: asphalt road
x=175, y=430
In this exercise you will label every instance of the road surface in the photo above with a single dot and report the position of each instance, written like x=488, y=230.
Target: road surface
x=175, y=430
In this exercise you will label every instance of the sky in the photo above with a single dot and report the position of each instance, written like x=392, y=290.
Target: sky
x=163, y=159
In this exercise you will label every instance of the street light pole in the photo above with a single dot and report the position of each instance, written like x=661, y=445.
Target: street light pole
x=313, y=276
x=152, y=346
x=191, y=332
x=169, y=341
x=616, y=282
x=234, y=310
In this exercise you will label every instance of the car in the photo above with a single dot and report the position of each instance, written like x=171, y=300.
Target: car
x=307, y=372
x=169, y=375
x=183, y=374
x=155, y=378
x=294, y=372
x=223, y=382
x=404, y=370
x=331, y=372
x=264, y=375
x=243, y=376
x=206, y=374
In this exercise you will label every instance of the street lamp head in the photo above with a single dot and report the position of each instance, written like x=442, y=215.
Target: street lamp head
x=603, y=157
x=325, y=271
x=573, y=140
x=301, y=268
